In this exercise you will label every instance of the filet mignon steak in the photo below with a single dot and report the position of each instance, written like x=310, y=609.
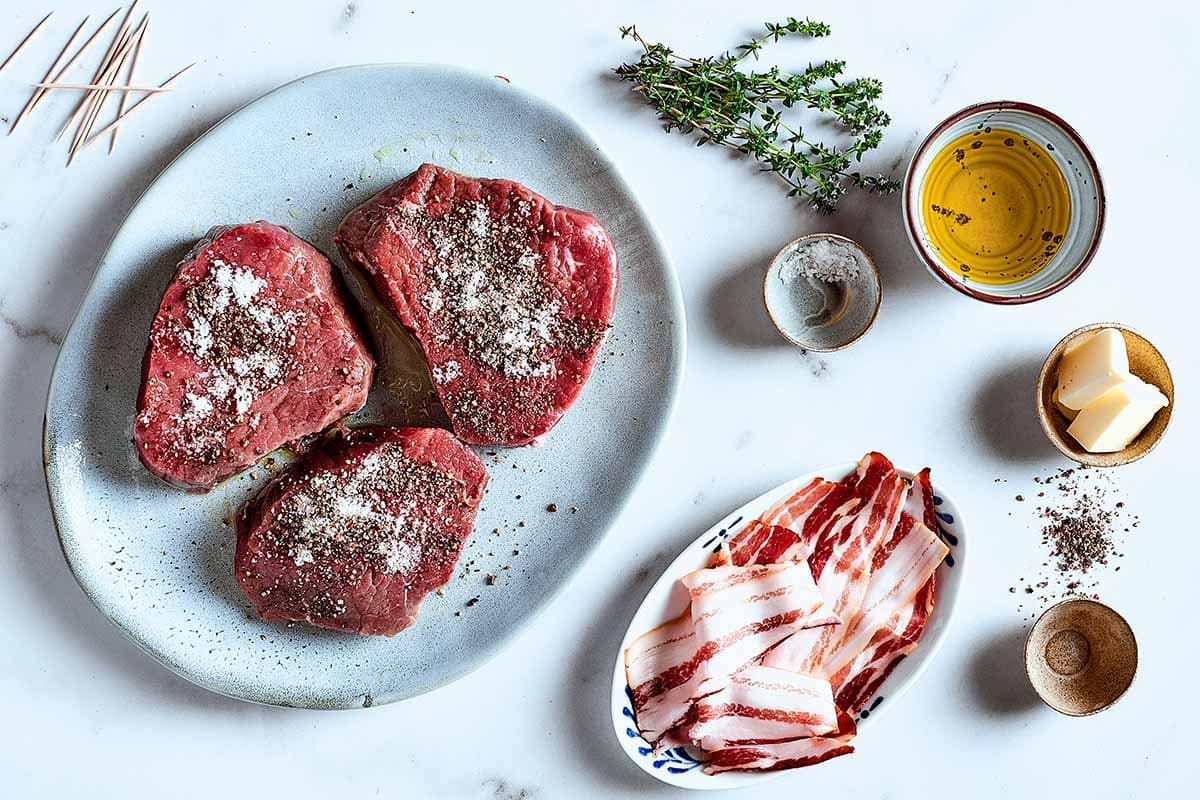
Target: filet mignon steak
x=252, y=348
x=508, y=294
x=354, y=536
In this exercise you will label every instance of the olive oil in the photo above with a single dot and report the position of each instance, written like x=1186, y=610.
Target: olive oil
x=995, y=205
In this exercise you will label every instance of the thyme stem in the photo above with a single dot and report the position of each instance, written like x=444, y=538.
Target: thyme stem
x=743, y=110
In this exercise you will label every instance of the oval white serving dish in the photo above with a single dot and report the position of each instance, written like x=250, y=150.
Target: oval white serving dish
x=667, y=599
x=158, y=563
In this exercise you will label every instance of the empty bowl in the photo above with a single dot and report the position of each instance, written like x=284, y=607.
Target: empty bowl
x=1073, y=249
x=1081, y=656
x=822, y=292
x=1144, y=361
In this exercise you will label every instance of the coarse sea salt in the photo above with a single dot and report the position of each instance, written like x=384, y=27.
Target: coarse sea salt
x=231, y=304
x=824, y=260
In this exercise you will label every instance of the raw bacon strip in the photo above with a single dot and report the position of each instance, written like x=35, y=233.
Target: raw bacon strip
x=786, y=755
x=920, y=500
x=791, y=511
x=900, y=570
x=725, y=599
x=760, y=543
x=872, y=667
x=841, y=562
x=762, y=704
x=737, y=614
x=655, y=655
x=812, y=509
x=900, y=636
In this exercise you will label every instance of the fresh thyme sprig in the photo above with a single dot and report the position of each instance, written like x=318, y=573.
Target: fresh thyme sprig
x=744, y=110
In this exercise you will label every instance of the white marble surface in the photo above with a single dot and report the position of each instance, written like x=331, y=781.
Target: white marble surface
x=940, y=379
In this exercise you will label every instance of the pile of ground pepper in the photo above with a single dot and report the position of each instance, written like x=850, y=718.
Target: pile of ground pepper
x=1083, y=525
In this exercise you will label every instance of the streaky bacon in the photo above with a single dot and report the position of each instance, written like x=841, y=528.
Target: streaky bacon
x=762, y=705
x=892, y=642
x=889, y=648
x=736, y=614
x=760, y=543
x=786, y=755
x=900, y=570
x=810, y=510
x=862, y=552
x=841, y=562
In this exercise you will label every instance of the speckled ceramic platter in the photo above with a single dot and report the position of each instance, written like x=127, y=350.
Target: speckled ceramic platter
x=158, y=562
x=682, y=766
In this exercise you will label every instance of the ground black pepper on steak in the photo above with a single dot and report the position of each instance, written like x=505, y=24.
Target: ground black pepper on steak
x=508, y=294
x=358, y=533
x=252, y=347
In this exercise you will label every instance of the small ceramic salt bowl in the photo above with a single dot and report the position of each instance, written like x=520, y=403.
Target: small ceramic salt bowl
x=1079, y=170
x=1081, y=656
x=1145, y=361
x=822, y=292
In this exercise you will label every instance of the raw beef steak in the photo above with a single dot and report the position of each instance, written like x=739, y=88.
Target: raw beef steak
x=508, y=294
x=355, y=535
x=252, y=348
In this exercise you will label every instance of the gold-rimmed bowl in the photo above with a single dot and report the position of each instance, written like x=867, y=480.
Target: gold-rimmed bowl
x=1145, y=361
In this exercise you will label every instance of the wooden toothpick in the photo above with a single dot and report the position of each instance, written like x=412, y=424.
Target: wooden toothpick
x=137, y=51
x=118, y=40
x=91, y=86
x=28, y=38
x=100, y=96
x=49, y=73
x=136, y=106
x=71, y=61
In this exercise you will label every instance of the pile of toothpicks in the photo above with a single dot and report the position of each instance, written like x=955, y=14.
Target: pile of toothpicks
x=121, y=59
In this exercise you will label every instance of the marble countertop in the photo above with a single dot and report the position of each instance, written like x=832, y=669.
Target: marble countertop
x=940, y=379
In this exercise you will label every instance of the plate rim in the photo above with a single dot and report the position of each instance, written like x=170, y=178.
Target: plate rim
x=678, y=350
x=734, y=779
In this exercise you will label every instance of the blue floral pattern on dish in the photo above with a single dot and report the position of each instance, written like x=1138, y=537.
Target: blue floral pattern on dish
x=675, y=759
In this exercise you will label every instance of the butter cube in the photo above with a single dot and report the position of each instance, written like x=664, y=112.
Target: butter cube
x=1091, y=367
x=1110, y=422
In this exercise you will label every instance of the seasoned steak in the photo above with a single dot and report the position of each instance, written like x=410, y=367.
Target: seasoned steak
x=252, y=348
x=354, y=536
x=508, y=294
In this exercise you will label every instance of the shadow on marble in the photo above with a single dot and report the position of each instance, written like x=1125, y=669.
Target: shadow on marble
x=587, y=696
x=63, y=604
x=1004, y=412
x=735, y=307
x=997, y=675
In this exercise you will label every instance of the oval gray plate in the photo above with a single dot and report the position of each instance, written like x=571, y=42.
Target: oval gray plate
x=158, y=562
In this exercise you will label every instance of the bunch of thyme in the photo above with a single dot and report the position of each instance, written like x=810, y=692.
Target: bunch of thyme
x=744, y=110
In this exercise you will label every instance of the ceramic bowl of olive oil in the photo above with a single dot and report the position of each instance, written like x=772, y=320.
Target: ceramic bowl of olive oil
x=1003, y=202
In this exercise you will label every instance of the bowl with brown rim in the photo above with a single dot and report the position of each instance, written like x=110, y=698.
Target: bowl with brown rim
x=1079, y=169
x=1145, y=361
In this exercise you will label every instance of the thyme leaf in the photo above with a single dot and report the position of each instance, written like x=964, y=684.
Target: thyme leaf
x=724, y=104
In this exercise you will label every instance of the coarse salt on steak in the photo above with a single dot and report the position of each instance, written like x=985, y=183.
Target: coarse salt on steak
x=355, y=535
x=508, y=294
x=252, y=348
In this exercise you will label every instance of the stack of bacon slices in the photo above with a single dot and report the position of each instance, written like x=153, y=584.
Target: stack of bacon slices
x=794, y=624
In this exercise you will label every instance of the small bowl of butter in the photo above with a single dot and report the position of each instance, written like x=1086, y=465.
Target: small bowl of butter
x=1105, y=395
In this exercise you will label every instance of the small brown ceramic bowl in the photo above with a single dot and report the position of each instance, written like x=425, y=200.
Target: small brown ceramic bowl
x=1081, y=656
x=1144, y=361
